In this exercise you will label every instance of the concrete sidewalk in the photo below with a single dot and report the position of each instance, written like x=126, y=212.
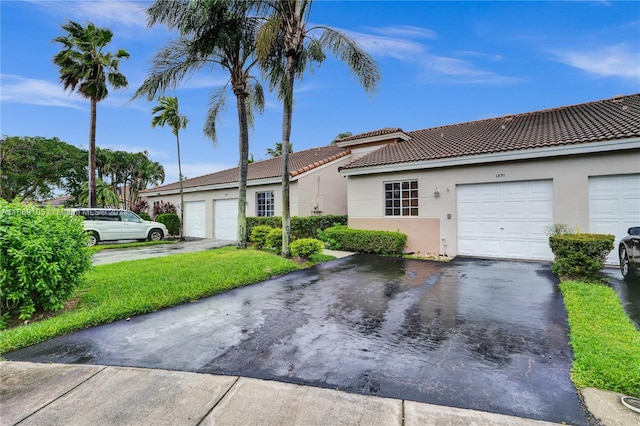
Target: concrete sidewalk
x=62, y=394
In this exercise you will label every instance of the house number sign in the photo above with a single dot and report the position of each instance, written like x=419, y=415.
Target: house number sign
x=500, y=175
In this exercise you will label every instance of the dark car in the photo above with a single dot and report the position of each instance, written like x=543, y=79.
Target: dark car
x=629, y=252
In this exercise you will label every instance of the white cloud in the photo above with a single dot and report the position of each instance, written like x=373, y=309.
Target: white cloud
x=22, y=90
x=29, y=91
x=407, y=31
x=382, y=46
x=454, y=70
x=432, y=67
x=481, y=55
x=101, y=12
x=618, y=60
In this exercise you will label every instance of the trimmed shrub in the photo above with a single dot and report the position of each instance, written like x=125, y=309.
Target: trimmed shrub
x=274, y=239
x=140, y=207
x=580, y=256
x=171, y=221
x=259, y=235
x=306, y=247
x=301, y=227
x=364, y=241
x=144, y=216
x=163, y=207
x=43, y=258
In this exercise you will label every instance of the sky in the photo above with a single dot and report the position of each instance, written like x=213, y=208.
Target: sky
x=440, y=63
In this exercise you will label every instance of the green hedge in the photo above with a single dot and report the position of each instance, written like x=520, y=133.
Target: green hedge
x=580, y=256
x=171, y=221
x=144, y=216
x=43, y=258
x=364, y=241
x=301, y=227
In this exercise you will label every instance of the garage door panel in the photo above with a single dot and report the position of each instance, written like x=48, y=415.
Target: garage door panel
x=508, y=219
x=631, y=207
x=514, y=248
x=511, y=209
x=514, y=229
x=225, y=219
x=194, y=219
x=542, y=209
x=614, y=206
x=490, y=247
x=539, y=249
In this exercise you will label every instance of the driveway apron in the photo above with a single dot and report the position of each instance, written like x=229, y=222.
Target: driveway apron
x=479, y=334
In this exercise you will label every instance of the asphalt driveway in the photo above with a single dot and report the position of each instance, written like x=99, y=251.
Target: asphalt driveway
x=486, y=335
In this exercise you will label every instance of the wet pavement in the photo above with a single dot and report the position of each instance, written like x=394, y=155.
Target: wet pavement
x=191, y=245
x=628, y=292
x=486, y=335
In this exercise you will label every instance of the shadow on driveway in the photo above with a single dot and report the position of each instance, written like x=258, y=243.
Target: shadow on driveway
x=485, y=335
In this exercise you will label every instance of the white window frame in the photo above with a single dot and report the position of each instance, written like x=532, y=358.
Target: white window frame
x=267, y=208
x=401, y=198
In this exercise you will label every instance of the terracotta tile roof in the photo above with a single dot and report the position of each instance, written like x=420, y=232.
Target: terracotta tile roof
x=299, y=162
x=608, y=119
x=380, y=132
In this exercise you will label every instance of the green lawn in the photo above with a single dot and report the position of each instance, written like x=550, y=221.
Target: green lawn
x=606, y=344
x=116, y=291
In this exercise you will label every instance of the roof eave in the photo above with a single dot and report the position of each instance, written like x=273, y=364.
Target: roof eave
x=226, y=185
x=530, y=154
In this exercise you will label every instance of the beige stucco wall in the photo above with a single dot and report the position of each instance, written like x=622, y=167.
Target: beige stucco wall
x=570, y=192
x=325, y=187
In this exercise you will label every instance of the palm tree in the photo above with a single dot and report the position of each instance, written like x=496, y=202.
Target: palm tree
x=83, y=65
x=340, y=136
x=287, y=47
x=167, y=113
x=215, y=33
x=277, y=151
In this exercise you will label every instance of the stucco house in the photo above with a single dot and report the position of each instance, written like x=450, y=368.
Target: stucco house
x=211, y=201
x=490, y=187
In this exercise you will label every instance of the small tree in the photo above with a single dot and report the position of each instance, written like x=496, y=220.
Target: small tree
x=167, y=113
x=162, y=207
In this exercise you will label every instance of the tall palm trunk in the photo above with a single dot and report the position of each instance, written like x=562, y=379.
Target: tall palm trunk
x=181, y=190
x=244, y=164
x=286, y=135
x=92, y=154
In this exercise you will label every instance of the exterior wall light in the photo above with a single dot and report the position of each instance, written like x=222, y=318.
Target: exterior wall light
x=436, y=193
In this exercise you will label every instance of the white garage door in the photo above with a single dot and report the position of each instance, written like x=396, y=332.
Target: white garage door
x=225, y=218
x=194, y=219
x=614, y=206
x=505, y=220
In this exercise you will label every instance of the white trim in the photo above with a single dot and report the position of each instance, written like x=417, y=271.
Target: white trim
x=377, y=138
x=530, y=154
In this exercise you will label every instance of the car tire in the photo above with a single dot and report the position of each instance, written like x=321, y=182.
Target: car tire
x=93, y=239
x=156, y=234
x=625, y=267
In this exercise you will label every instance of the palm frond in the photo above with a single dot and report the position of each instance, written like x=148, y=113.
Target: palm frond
x=348, y=50
x=216, y=106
